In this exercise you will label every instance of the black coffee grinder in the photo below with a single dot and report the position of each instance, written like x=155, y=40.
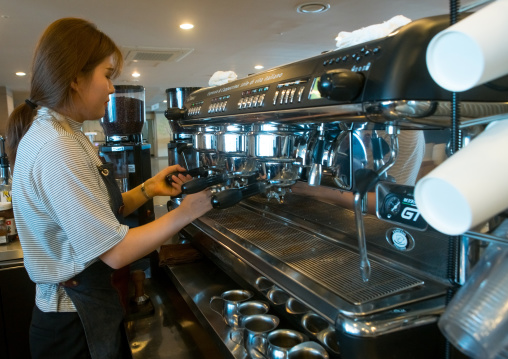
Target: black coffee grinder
x=122, y=124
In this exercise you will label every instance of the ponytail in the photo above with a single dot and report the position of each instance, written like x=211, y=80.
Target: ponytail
x=20, y=121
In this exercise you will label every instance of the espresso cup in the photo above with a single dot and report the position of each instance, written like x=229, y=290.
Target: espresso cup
x=308, y=350
x=314, y=323
x=229, y=302
x=255, y=333
x=281, y=341
x=251, y=307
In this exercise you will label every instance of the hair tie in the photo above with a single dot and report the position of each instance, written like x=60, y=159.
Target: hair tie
x=31, y=104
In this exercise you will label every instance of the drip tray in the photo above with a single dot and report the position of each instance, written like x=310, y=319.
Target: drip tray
x=333, y=267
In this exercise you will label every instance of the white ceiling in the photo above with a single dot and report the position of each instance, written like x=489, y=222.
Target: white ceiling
x=228, y=35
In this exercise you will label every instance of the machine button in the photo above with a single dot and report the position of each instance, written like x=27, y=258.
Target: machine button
x=249, y=102
x=240, y=104
x=293, y=91
x=337, y=60
x=224, y=106
x=244, y=103
x=300, y=93
x=288, y=91
x=376, y=50
x=282, y=95
x=261, y=100
x=275, y=97
x=255, y=101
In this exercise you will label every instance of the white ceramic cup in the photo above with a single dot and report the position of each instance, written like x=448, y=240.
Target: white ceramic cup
x=471, y=52
x=470, y=187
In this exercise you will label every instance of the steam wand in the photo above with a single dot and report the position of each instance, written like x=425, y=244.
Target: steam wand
x=364, y=180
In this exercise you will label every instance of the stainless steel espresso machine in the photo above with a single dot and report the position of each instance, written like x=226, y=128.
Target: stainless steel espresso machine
x=122, y=124
x=312, y=167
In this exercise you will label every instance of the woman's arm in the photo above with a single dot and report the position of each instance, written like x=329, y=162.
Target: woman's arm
x=142, y=240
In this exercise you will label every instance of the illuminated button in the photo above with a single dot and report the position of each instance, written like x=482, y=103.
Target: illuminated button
x=275, y=97
x=224, y=106
x=282, y=95
x=244, y=103
x=261, y=100
x=249, y=102
x=240, y=104
x=288, y=91
x=255, y=101
x=293, y=91
x=300, y=93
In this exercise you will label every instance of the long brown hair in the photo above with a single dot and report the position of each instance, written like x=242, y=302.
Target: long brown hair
x=67, y=48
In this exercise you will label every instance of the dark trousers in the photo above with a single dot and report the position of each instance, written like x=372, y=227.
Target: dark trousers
x=61, y=335
x=57, y=335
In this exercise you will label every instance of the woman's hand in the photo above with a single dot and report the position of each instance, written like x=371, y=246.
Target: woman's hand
x=159, y=186
x=197, y=204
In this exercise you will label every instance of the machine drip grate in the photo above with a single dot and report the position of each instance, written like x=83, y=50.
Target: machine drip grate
x=332, y=266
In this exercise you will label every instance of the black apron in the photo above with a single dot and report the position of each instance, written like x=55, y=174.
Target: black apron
x=96, y=300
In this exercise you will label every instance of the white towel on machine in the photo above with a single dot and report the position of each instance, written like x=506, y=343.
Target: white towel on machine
x=222, y=77
x=369, y=33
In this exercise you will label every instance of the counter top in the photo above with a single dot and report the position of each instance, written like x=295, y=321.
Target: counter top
x=11, y=251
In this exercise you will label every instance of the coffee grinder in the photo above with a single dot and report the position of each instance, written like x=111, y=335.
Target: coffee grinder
x=124, y=147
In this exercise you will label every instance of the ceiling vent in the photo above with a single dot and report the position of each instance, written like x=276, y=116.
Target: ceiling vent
x=152, y=57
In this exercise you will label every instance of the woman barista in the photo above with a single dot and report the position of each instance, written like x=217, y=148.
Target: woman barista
x=67, y=205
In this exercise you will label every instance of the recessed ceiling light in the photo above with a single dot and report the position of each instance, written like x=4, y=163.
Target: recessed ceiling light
x=136, y=74
x=186, y=26
x=312, y=7
x=20, y=73
x=259, y=67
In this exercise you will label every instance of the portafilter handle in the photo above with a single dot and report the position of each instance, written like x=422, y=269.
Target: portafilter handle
x=230, y=197
x=199, y=184
x=194, y=172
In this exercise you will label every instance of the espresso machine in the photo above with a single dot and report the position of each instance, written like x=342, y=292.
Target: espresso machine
x=312, y=166
x=124, y=147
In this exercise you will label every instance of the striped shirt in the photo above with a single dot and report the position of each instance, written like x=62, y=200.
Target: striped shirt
x=61, y=206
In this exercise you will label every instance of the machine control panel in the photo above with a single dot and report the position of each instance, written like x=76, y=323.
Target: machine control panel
x=195, y=108
x=396, y=204
x=253, y=98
